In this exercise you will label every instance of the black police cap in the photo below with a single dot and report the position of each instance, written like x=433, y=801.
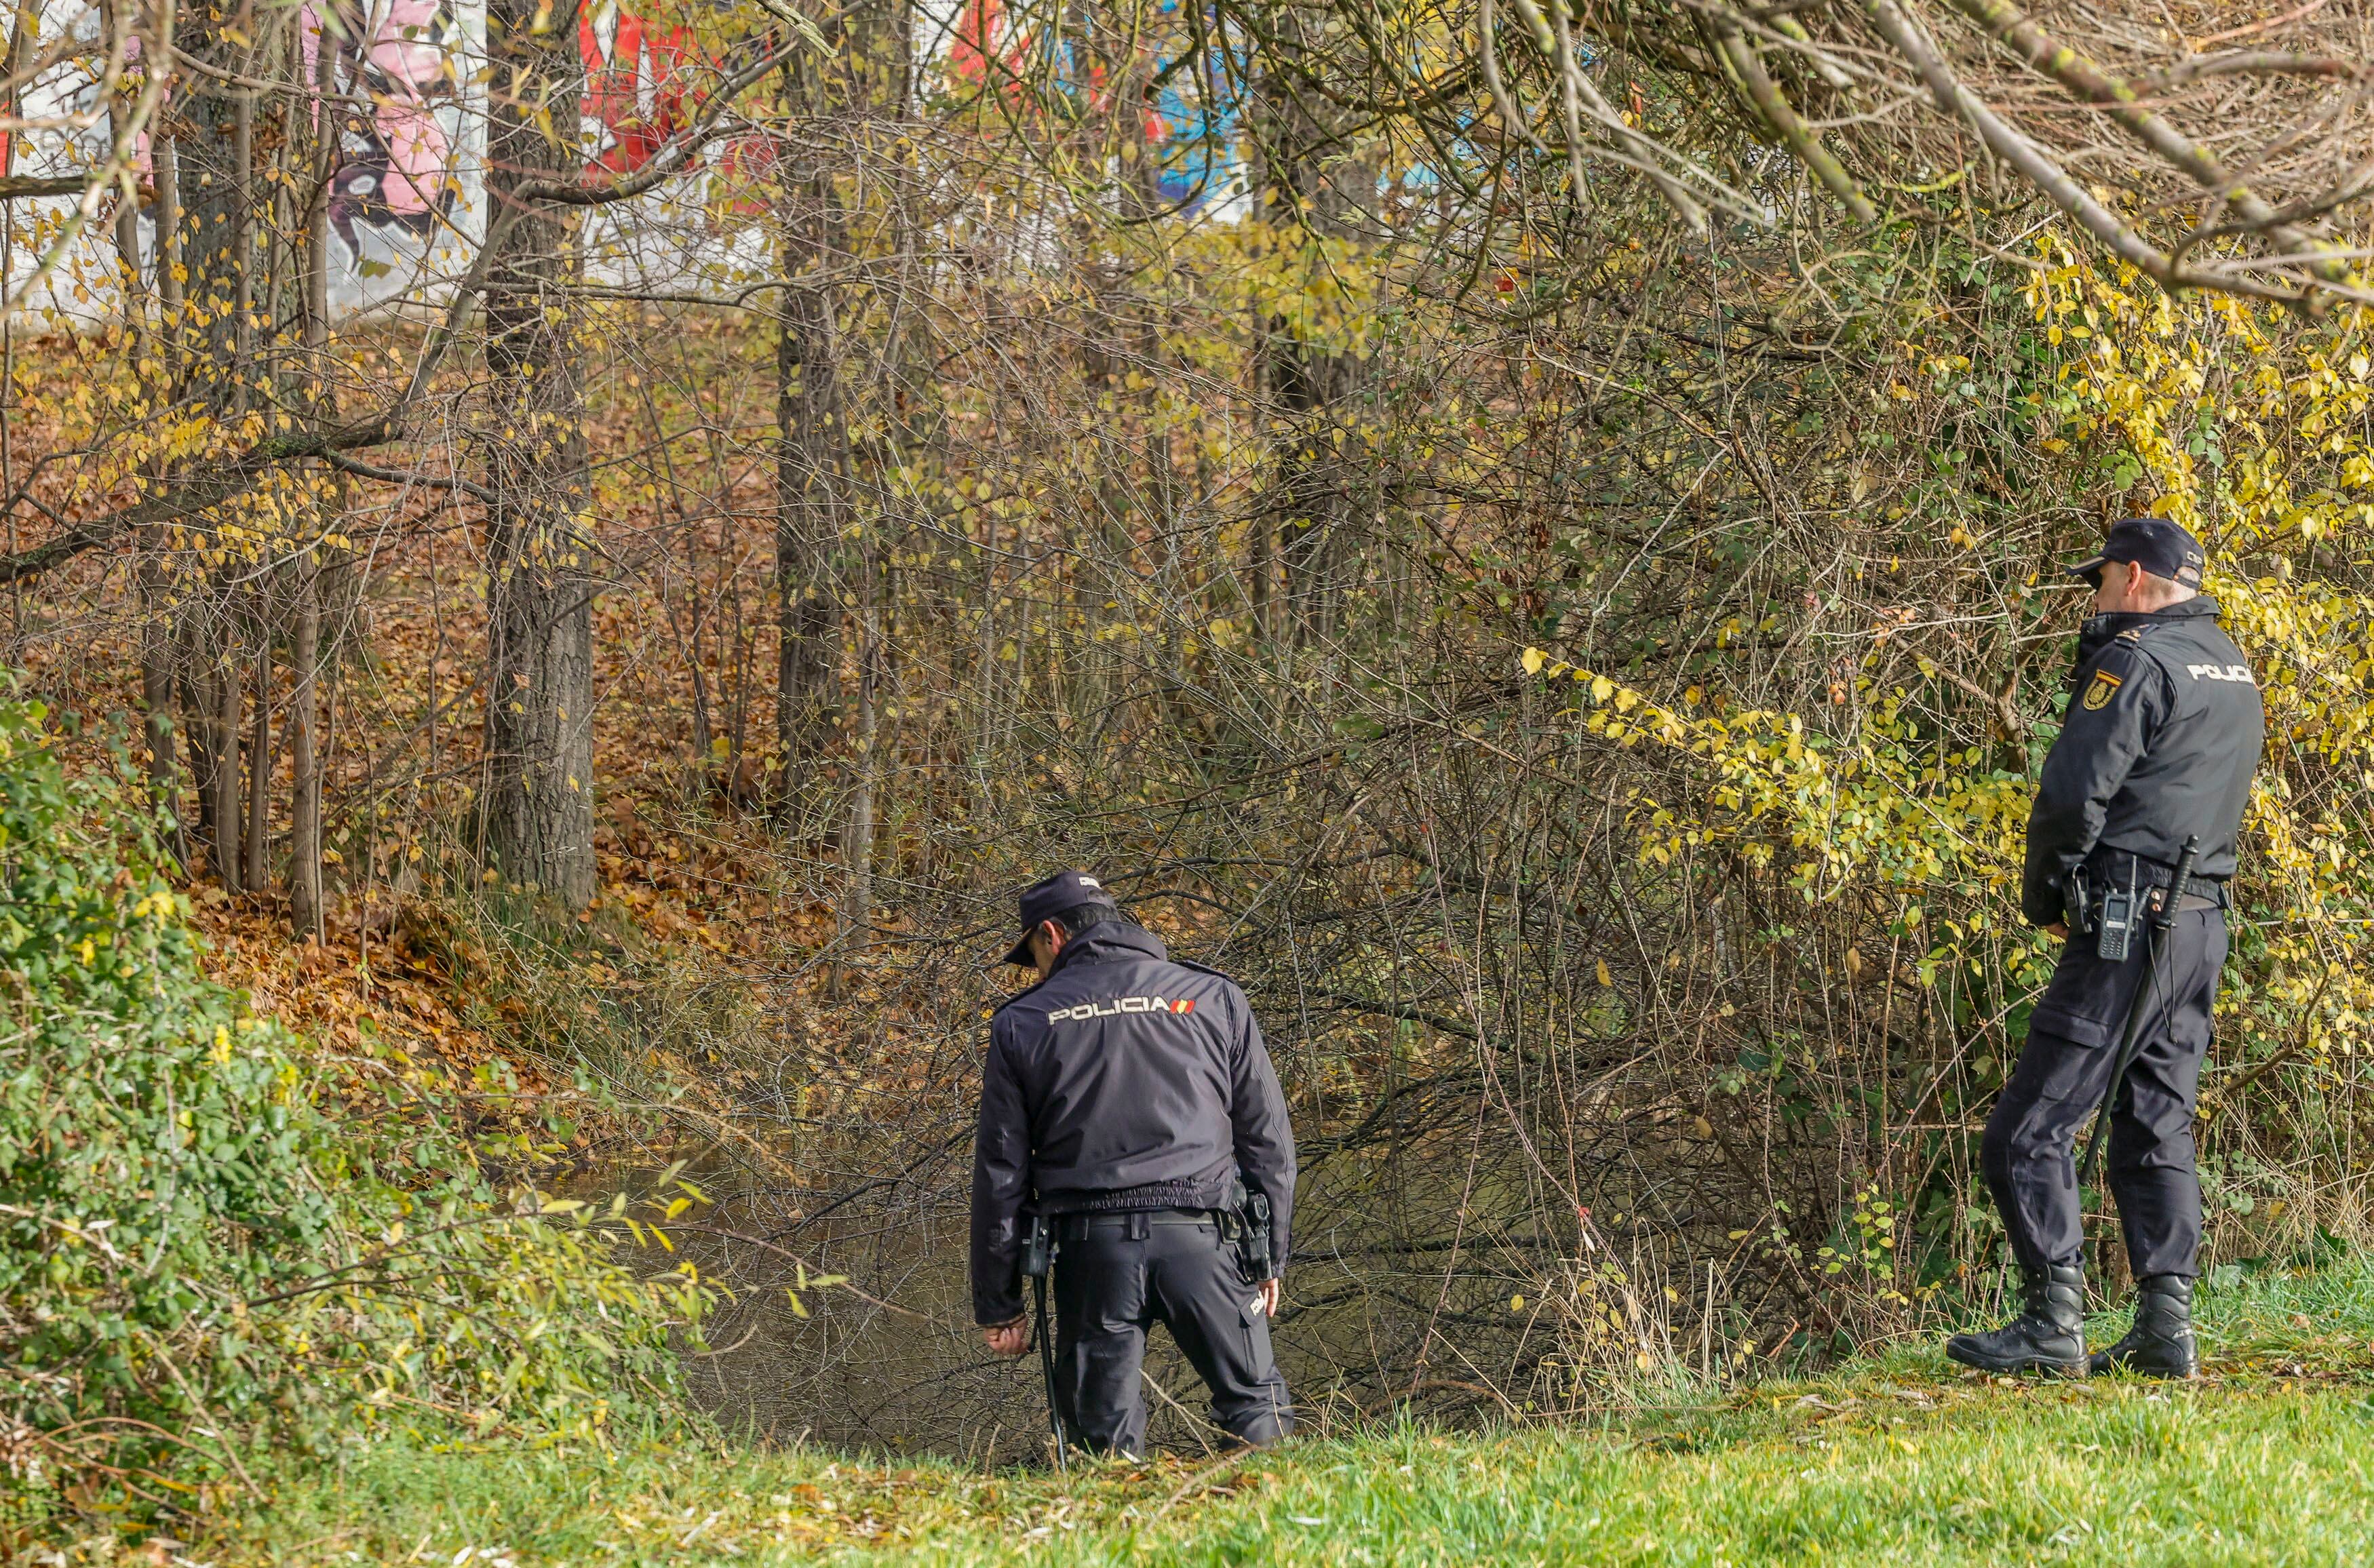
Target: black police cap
x=2160, y=547
x=1045, y=900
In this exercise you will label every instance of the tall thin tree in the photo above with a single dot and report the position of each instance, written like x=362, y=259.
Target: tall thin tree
x=812, y=481
x=537, y=797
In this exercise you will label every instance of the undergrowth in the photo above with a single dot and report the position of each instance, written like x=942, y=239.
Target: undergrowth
x=218, y=1238
x=1902, y=1458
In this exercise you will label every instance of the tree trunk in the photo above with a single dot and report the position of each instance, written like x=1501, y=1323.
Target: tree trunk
x=305, y=784
x=157, y=697
x=259, y=766
x=537, y=799
x=196, y=693
x=127, y=257
x=1307, y=384
x=811, y=474
x=858, y=854
x=1263, y=568
x=305, y=916
x=214, y=357
x=223, y=829
x=1312, y=485
x=165, y=171
x=242, y=239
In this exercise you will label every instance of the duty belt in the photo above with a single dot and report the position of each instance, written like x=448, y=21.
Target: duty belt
x=1129, y=1222
x=2107, y=868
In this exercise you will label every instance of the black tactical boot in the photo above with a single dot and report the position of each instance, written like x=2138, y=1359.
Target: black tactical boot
x=2049, y=1337
x=2161, y=1343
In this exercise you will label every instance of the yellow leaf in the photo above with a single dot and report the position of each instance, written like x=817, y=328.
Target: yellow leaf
x=1605, y=978
x=1533, y=659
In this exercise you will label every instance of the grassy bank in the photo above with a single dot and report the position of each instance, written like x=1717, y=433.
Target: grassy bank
x=1900, y=1460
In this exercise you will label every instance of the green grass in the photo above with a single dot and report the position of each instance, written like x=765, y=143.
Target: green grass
x=1899, y=1459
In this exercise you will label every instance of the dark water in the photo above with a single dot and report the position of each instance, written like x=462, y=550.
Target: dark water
x=1429, y=1273
x=887, y=1361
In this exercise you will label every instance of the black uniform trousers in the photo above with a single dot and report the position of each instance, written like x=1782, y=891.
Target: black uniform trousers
x=2073, y=1043
x=1117, y=1275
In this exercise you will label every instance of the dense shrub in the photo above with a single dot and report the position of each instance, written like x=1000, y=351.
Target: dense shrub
x=198, y=1255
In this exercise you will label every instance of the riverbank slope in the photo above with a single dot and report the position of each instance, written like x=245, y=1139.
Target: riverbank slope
x=1898, y=1459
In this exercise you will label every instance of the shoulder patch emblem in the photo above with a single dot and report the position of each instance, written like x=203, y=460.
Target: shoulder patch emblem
x=2133, y=633
x=2106, y=686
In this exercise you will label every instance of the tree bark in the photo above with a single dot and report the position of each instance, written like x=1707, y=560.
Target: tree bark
x=305, y=913
x=305, y=784
x=158, y=661
x=259, y=766
x=537, y=799
x=811, y=472
x=858, y=851
x=1306, y=382
x=211, y=352
x=157, y=697
x=223, y=738
x=165, y=162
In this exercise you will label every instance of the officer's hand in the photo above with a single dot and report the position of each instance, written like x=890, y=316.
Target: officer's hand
x=2057, y=930
x=1008, y=1339
x=1267, y=1293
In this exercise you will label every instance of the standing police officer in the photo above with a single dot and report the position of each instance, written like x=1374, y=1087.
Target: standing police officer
x=2162, y=733
x=1128, y=1096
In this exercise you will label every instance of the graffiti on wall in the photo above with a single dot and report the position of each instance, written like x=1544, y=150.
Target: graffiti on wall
x=636, y=85
x=1190, y=126
x=402, y=166
x=398, y=168
x=406, y=197
x=643, y=87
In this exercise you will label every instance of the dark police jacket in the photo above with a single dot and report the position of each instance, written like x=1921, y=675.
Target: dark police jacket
x=1122, y=1080
x=2163, y=733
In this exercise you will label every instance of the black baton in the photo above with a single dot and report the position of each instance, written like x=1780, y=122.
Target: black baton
x=2130, y=1040
x=1047, y=1367
x=1038, y=1261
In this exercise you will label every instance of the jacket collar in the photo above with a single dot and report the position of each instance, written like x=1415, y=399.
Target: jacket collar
x=2097, y=631
x=1109, y=942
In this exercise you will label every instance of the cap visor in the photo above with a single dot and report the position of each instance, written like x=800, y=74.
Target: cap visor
x=2086, y=568
x=1020, y=956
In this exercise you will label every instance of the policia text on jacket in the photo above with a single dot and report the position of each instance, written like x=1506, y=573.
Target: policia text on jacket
x=1130, y=1110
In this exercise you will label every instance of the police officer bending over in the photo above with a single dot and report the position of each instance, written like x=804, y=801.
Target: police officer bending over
x=1126, y=1095
x=2162, y=734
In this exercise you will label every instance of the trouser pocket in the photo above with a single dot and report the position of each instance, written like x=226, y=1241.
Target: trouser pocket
x=2085, y=1003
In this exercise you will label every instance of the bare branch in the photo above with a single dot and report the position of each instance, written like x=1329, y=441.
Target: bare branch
x=672, y=157
x=2248, y=63
x=2024, y=156
x=194, y=493
x=2008, y=26
x=1765, y=94
x=14, y=186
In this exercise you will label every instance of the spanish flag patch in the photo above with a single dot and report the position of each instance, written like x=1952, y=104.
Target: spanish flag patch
x=2106, y=686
